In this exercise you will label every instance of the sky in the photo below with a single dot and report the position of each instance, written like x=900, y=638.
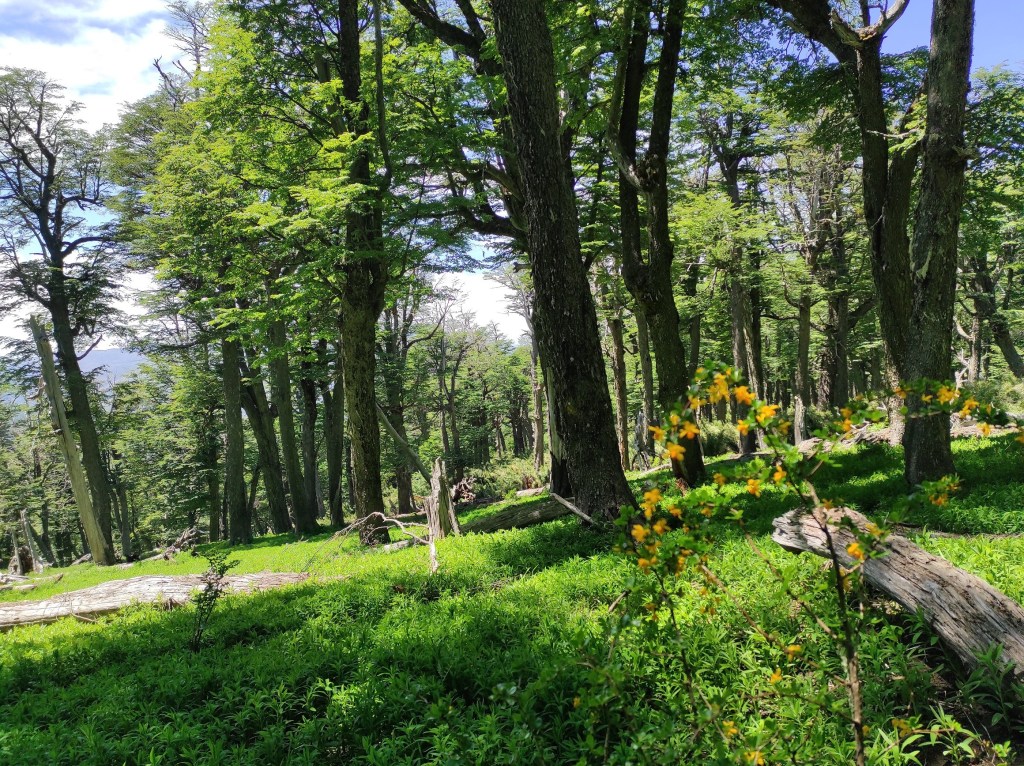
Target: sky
x=103, y=52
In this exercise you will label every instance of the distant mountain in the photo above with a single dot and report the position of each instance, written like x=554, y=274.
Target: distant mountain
x=117, y=363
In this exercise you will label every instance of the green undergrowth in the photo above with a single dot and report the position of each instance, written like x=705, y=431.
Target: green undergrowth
x=500, y=658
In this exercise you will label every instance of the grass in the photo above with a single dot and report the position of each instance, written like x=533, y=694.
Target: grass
x=500, y=658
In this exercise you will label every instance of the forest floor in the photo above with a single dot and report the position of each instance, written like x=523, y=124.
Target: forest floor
x=502, y=656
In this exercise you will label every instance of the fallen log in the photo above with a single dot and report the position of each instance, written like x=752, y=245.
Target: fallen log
x=966, y=613
x=167, y=591
x=518, y=516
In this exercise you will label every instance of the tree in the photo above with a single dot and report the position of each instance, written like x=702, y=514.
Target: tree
x=915, y=277
x=564, y=311
x=52, y=189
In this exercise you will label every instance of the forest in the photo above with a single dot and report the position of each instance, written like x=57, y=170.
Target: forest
x=747, y=490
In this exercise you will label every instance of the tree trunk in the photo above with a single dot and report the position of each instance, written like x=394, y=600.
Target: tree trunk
x=334, y=443
x=537, y=387
x=651, y=283
x=257, y=410
x=802, y=387
x=239, y=521
x=281, y=395
x=564, y=312
x=310, y=465
x=618, y=361
x=643, y=347
x=926, y=440
x=95, y=524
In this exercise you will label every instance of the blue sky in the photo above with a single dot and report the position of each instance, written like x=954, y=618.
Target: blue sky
x=998, y=31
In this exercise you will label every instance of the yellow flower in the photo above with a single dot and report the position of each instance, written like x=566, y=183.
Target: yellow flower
x=689, y=430
x=985, y=429
x=576, y=702
x=743, y=427
x=675, y=451
x=719, y=479
x=940, y=499
x=846, y=412
x=644, y=564
x=660, y=527
x=901, y=392
x=694, y=402
x=847, y=425
x=793, y=651
x=784, y=427
x=969, y=405
x=827, y=504
x=779, y=476
x=659, y=433
x=873, y=529
x=754, y=757
x=675, y=511
x=719, y=388
x=902, y=727
x=766, y=411
x=776, y=676
x=648, y=510
x=652, y=496
x=855, y=550
x=743, y=395
x=754, y=487
x=673, y=419
x=946, y=395
x=640, y=532
x=729, y=729
x=707, y=510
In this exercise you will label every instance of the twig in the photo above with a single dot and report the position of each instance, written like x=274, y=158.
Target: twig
x=572, y=508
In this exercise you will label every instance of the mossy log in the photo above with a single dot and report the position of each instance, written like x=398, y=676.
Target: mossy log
x=966, y=613
x=167, y=591
x=518, y=516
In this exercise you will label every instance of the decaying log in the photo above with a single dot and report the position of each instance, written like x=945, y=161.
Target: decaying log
x=517, y=516
x=168, y=591
x=81, y=559
x=966, y=613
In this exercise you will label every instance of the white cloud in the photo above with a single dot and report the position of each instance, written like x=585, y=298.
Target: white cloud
x=486, y=300
x=102, y=50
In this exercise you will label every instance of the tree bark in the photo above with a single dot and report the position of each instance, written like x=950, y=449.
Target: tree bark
x=926, y=440
x=565, y=316
x=334, y=443
x=310, y=464
x=257, y=410
x=281, y=395
x=97, y=528
x=239, y=520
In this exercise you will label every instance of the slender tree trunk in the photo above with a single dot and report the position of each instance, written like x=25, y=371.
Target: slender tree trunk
x=802, y=387
x=537, y=386
x=643, y=345
x=618, y=361
x=257, y=411
x=565, y=316
x=334, y=444
x=95, y=518
x=310, y=464
x=239, y=520
x=281, y=395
